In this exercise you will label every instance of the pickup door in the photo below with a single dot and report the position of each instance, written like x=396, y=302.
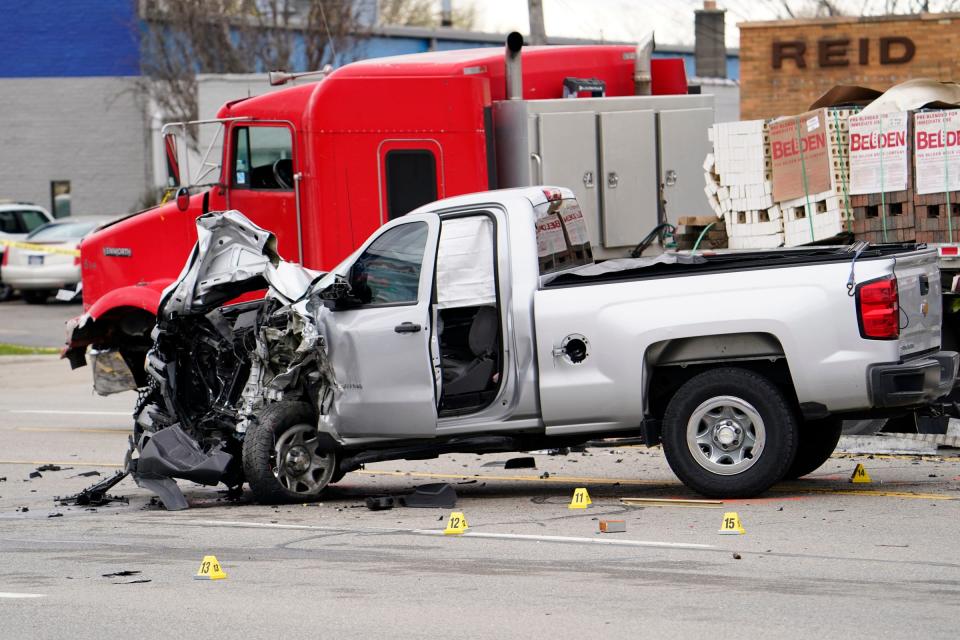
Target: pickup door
x=380, y=346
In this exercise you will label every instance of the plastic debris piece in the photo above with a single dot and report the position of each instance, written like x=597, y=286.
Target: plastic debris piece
x=36, y=474
x=96, y=494
x=520, y=463
x=121, y=574
x=51, y=467
x=429, y=496
x=380, y=503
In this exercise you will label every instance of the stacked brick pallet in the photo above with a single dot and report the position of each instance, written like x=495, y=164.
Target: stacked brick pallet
x=892, y=177
x=935, y=175
x=739, y=186
x=811, y=174
x=882, y=182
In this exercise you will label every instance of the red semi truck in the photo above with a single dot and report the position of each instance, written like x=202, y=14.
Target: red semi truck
x=325, y=163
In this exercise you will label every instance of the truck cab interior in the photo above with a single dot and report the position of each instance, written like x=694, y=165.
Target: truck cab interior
x=467, y=315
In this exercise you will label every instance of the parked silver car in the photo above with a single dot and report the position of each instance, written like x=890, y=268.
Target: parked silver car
x=17, y=219
x=38, y=272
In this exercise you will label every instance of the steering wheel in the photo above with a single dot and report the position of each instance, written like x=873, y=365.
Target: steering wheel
x=279, y=171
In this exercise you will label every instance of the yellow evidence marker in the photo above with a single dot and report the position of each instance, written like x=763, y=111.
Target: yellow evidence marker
x=209, y=569
x=581, y=499
x=731, y=526
x=860, y=475
x=456, y=524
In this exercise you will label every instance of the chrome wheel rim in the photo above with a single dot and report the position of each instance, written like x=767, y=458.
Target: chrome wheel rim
x=299, y=464
x=726, y=435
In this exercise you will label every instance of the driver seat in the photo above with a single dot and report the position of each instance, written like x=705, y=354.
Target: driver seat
x=472, y=376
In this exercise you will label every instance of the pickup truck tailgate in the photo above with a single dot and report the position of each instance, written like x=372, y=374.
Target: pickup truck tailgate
x=921, y=311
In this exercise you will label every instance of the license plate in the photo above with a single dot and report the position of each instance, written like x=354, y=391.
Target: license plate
x=34, y=259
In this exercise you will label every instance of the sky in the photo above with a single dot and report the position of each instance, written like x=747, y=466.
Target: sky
x=628, y=20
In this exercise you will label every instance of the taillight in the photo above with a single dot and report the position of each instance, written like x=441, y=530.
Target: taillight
x=76, y=261
x=878, y=309
x=6, y=255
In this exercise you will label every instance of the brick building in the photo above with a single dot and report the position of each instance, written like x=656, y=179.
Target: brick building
x=786, y=65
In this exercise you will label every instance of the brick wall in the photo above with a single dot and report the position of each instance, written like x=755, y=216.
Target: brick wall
x=767, y=92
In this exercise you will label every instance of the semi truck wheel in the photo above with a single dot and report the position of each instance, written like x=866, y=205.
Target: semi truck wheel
x=818, y=439
x=729, y=433
x=282, y=456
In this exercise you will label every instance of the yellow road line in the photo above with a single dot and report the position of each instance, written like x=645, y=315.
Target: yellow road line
x=75, y=463
x=124, y=432
x=629, y=481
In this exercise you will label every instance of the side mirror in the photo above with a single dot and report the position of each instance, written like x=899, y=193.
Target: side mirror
x=338, y=296
x=183, y=199
x=173, y=160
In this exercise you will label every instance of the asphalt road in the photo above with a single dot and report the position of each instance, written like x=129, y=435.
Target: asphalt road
x=36, y=325
x=820, y=557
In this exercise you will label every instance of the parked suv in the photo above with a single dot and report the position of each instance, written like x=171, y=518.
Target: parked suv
x=17, y=219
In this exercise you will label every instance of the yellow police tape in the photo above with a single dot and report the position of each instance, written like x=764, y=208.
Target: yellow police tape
x=42, y=248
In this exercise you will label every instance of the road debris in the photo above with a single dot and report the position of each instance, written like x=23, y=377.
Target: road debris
x=613, y=526
x=36, y=474
x=121, y=574
x=55, y=515
x=95, y=495
x=380, y=503
x=52, y=467
x=520, y=463
x=429, y=496
x=736, y=556
x=86, y=474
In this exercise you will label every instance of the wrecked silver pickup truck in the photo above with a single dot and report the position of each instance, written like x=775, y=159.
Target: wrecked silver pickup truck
x=482, y=324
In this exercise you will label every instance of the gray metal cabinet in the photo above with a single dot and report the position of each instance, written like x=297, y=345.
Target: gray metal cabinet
x=568, y=154
x=683, y=146
x=628, y=183
x=613, y=153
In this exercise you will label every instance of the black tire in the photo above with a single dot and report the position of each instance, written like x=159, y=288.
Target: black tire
x=818, y=439
x=737, y=390
x=35, y=296
x=272, y=483
x=6, y=292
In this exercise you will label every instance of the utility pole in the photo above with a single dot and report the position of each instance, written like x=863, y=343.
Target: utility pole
x=538, y=35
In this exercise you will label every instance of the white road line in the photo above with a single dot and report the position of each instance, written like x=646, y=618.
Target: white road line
x=4, y=594
x=61, y=412
x=468, y=534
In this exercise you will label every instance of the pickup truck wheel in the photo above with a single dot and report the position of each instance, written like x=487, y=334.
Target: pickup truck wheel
x=282, y=456
x=818, y=439
x=729, y=433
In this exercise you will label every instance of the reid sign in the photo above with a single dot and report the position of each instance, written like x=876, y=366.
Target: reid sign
x=842, y=52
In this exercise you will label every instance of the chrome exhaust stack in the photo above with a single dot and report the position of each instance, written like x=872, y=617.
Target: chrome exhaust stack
x=513, y=70
x=641, y=69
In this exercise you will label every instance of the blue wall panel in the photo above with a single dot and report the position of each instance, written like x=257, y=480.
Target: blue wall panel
x=51, y=38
